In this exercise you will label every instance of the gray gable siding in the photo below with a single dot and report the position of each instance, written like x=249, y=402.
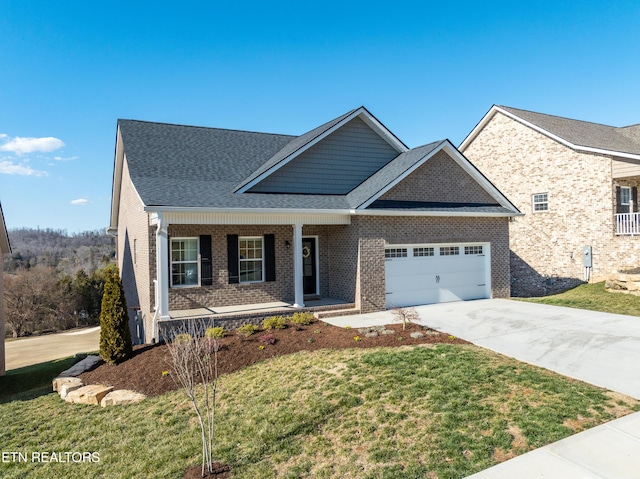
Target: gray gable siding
x=335, y=165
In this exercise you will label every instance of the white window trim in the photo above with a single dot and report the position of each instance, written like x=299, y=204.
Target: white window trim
x=534, y=203
x=626, y=188
x=240, y=260
x=184, y=262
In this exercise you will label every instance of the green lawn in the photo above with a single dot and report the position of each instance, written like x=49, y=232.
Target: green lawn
x=409, y=412
x=594, y=297
x=31, y=381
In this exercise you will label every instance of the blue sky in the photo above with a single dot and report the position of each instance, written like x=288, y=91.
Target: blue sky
x=427, y=70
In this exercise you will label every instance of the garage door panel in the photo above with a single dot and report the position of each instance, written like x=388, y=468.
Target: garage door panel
x=436, y=279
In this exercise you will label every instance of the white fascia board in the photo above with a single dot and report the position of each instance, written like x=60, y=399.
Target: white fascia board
x=362, y=112
x=542, y=131
x=382, y=130
x=401, y=177
x=472, y=171
x=180, y=209
x=481, y=124
x=116, y=188
x=299, y=151
x=434, y=213
x=462, y=162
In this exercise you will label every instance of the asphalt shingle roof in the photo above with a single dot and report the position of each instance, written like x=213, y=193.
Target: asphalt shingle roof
x=583, y=133
x=186, y=166
x=293, y=146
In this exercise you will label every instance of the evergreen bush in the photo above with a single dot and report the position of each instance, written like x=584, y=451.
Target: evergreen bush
x=115, y=337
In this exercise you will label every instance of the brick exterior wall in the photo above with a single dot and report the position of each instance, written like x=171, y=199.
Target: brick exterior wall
x=221, y=293
x=546, y=247
x=377, y=231
x=135, y=258
x=439, y=179
x=351, y=257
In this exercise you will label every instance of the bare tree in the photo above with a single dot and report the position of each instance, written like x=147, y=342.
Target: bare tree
x=193, y=363
x=405, y=316
x=32, y=299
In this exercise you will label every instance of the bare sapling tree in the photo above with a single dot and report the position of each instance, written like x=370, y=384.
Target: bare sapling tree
x=193, y=364
x=405, y=316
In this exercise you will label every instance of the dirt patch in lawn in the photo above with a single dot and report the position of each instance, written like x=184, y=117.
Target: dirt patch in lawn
x=144, y=371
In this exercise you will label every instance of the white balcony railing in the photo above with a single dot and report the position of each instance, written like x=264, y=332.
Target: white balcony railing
x=628, y=224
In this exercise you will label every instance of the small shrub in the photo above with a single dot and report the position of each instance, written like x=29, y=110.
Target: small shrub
x=267, y=339
x=261, y=347
x=182, y=338
x=302, y=319
x=274, y=322
x=247, y=330
x=316, y=331
x=216, y=332
x=347, y=327
x=356, y=338
x=310, y=340
x=115, y=337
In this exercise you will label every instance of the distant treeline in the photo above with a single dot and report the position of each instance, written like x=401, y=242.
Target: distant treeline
x=67, y=254
x=53, y=280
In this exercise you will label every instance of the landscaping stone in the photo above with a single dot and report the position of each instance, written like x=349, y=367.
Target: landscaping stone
x=85, y=365
x=388, y=331
x=623, y=283
x=58, y=382
x=121, y=396
x=91, y=394
x=372, y=334
x=416, y=335
x=65, y=389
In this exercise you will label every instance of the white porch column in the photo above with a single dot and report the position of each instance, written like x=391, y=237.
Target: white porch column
x=297, y=267
x=162, y=269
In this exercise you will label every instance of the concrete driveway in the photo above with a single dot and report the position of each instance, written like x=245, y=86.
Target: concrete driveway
x=28, y=351
x=599, y=348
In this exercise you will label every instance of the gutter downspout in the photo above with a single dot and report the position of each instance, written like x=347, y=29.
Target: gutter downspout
x=161, y=261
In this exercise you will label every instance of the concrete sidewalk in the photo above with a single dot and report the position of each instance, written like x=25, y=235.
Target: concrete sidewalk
x=29, y=351
x=600, y=348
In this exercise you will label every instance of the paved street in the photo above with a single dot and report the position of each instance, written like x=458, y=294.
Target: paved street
x=28, y=351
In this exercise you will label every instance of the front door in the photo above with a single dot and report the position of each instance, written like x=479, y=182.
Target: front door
x=309, y=267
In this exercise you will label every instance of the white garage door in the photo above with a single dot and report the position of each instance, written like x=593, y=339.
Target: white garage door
x=429, y=273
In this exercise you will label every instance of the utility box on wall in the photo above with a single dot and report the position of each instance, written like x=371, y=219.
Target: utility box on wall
x=587, y=259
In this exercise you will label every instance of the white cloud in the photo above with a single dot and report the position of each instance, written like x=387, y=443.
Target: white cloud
x=11, y=168
x=60, y=158
x=80, y=201
x=21, y=145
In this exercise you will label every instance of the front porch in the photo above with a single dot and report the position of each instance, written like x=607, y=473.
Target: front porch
x=231, y=317
x=317, y=306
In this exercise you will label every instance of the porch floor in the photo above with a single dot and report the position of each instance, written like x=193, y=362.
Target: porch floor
x=275, y=307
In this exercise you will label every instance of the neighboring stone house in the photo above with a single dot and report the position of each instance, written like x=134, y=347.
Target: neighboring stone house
x=235, y=225
x=577, y=184
x=5, y=248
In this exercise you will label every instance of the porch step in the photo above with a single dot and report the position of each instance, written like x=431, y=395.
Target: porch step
x=336, y=312
x=328, y=307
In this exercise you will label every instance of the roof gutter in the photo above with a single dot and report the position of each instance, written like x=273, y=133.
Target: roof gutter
x=347, y=212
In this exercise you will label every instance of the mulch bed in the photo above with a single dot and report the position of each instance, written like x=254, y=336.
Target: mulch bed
x=143, y=372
